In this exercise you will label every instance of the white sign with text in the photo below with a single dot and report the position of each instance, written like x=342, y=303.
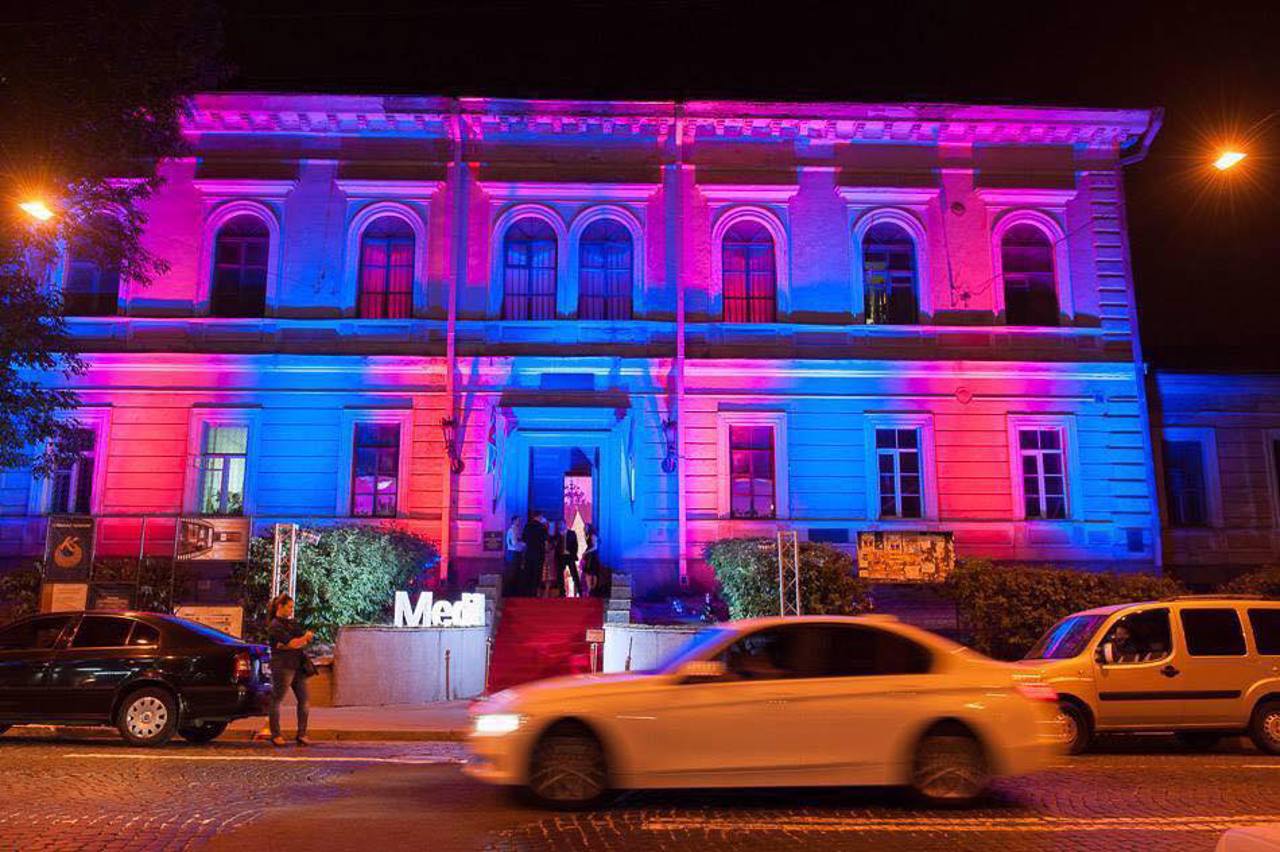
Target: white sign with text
x=429, y=612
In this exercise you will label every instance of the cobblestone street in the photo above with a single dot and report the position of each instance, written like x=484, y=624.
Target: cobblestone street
x=372, y=796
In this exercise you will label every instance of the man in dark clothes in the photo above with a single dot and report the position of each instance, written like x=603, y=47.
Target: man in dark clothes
x=535, y=553
x=569, y=555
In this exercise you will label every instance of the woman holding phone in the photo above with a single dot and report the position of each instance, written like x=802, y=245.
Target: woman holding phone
x=289, y=666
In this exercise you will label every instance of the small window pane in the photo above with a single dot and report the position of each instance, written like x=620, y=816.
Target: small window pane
x=1213, y=632
x=144, y=634
x=36, y=634
x=97, y=631
x=1030, y=288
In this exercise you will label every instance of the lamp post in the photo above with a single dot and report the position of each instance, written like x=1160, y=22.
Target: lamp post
x=36, y=209
x=1229, y=158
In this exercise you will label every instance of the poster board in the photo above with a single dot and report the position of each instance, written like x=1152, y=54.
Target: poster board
x=68, y=550
x=64, y=597
x=906, y=556
x=223, y=539
x=228, y=619
x=493, y=541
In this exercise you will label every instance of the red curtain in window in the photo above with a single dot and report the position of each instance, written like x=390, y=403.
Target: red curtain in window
x=386, y=278
x=749, y=275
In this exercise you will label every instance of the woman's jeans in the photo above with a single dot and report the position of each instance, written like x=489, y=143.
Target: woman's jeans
x=281, y=681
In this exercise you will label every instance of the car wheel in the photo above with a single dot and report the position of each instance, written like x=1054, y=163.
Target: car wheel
x=1077, y=731
x=949, y=768
x=202, y=732
x=568, y=768
x=1197, y=740
x=147, y=717
x=1264, y=729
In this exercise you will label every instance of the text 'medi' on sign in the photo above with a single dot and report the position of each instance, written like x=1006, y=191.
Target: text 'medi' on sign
x=429, y=612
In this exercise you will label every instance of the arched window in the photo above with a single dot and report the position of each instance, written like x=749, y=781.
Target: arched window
x=750, y=277
x=240, y=257
x=529, y=271
x=91, y=284
x=889, y=276
x=604, y=271
x=1030, y=288
x=386, y=269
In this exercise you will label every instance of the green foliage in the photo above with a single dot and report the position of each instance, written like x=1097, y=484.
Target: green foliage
x=1264, y=582
x=1007, y=608
x=19, y=594
x=349, y=575
x=747, y=569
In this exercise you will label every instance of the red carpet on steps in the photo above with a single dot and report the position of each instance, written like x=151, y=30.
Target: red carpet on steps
x=543, y=637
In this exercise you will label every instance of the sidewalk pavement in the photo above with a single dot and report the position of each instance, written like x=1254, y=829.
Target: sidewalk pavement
x=444, y=720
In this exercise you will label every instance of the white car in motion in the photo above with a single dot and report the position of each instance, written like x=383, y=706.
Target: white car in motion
x=775, y=702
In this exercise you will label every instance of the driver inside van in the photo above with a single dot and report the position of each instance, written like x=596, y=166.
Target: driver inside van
x=1119, y=647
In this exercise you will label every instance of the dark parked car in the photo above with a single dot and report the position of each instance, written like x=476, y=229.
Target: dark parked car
x=147, y=674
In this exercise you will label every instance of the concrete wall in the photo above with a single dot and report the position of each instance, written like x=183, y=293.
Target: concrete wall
x=646, y=645
x=388, y=665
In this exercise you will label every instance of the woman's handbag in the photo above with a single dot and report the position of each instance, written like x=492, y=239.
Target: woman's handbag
x=308, y=668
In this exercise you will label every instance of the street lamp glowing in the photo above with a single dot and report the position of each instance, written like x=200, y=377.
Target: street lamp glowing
x=1228, y=159
x=37, y=210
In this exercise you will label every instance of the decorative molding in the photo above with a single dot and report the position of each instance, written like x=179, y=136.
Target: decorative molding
x=1003, y=199
x=402, y=190
x=915, y=197
x=552, y=191
x=218, y=188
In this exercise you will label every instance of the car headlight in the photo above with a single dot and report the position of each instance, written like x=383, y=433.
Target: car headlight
x=495, y=724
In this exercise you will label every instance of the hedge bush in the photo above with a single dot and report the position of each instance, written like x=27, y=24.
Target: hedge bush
x=348, y=576
x=19, y=594
x=1006, y=608
x=747, y=569
x=1264, y=582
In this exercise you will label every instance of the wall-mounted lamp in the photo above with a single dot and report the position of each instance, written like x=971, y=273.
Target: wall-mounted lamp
x=670, y=436
x=449, y=429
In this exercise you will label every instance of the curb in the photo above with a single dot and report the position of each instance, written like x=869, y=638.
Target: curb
x=46, y=732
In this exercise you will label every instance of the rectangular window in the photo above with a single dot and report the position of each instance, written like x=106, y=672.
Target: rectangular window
x=752, y=480
x=71, y=488
x=1184, y=483
x=223, y=457
x=375, y=474
x=899, y=471
x=1044, y=473
x=1213, y=633
x=1266, y=630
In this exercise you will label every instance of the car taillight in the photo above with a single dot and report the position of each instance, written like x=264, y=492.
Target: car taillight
x=242, y=668
x=1037, y=691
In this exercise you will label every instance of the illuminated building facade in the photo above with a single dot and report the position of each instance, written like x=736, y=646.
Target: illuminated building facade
x=720, y=318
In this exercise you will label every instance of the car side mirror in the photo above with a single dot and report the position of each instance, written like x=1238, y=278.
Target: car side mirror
x=700, y=671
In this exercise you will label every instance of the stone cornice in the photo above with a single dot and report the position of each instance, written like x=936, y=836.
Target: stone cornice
x=927, y=123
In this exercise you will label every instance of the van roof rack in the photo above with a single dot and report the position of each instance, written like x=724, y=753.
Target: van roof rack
x=1216, y=598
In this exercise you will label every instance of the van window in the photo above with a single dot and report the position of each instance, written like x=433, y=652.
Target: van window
x=1266, y=630
x=1213, y=633
x=1142, y=637
x=1067, y=638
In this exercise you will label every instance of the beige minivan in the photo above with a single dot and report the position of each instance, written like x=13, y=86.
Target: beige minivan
x=1202, y=667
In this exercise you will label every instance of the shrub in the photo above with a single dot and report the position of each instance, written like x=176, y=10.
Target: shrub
x=1264, y=582
x=19, y=594
x=349, y=575
x=747, y=569
x=1006, y=608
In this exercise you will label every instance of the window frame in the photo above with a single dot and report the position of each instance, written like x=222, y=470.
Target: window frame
x=923, y=423
x=96, y=418
x=64, y=275
x=198, y=421
x=363, y=212
x=1240, y=623
x=773, y=222
x=402, y=417
x=1064, y=423
x=498, y=261
x=627, y=219
x=213, y=224
x=1206, y=437
x=777, y=420
x=910, y=222
x=1053, y=229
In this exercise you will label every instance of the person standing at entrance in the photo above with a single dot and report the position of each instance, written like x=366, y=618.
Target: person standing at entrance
x=535, y=553
x=555, y=559
x=290, y=667
x=591, y=561
x=571, y=585
x=513, y=554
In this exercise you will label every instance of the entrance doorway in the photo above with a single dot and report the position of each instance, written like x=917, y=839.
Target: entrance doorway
x=563, y=484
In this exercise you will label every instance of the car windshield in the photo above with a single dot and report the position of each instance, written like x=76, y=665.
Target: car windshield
x=692, y=649
x=1067, y=638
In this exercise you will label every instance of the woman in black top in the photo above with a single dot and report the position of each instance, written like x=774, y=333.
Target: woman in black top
x=288, y=666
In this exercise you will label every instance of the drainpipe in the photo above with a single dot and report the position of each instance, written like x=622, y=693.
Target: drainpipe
x=677, y=246
x=459, y=190
x=1139, y=361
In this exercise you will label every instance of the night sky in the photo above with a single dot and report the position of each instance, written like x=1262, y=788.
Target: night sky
x=1206, y=247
